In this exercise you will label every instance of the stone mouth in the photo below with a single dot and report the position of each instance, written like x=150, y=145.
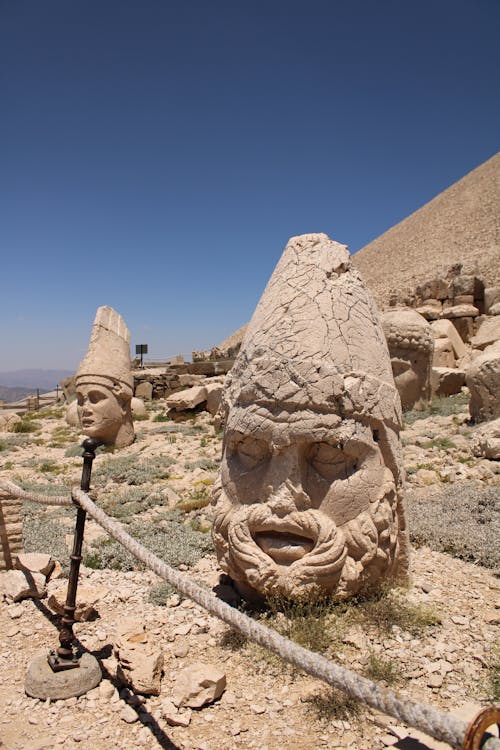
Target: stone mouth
x=283, y=547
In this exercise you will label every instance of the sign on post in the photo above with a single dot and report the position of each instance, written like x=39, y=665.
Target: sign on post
x=141, y=349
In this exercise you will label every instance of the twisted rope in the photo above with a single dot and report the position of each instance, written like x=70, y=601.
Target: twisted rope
x=16, y=491
x=443, y=727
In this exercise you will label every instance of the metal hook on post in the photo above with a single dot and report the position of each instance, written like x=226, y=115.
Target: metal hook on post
x=65, y=657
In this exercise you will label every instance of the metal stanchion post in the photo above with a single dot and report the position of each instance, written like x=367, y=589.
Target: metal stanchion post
x=65, y=658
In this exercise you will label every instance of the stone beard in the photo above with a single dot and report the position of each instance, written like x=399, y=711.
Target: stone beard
x=307, y=502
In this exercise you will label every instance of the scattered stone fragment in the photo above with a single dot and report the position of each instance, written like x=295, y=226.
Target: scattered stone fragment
x=16, y=585
x=198, y=685
x=86, y=603
x=35, y=562
x=174, y=716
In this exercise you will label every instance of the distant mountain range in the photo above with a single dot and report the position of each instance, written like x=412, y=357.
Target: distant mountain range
x=45, y=380
x=11, y=395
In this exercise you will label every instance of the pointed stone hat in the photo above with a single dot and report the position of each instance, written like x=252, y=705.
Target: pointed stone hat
x=315, y=340
x=107, y=361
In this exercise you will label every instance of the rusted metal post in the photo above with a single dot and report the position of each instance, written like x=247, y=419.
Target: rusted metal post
x=65, y=658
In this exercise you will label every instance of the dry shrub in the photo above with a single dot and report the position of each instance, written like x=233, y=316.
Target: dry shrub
x=461, y=519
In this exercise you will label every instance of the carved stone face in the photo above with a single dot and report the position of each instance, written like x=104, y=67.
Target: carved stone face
x=306, y=503
x=411, y=347
x=410, y=376
x=100, y=412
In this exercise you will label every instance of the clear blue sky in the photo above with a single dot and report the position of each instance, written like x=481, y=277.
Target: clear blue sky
x=157, y=155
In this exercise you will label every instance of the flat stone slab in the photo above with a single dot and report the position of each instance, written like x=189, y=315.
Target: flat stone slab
x=42, y=682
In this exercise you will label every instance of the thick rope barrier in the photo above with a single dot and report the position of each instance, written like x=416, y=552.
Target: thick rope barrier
x=33, y=497
x=443, y=727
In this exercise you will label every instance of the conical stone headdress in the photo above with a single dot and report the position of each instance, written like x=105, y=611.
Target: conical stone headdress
x=315, y=340
x=107, y=361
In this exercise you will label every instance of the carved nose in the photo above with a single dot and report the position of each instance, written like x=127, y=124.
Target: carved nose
x=281, y=501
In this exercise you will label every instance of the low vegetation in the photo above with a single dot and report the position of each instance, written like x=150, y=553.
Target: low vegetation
x=168, y=538
x=130, y=470
x=443, y=406
x=461, y=519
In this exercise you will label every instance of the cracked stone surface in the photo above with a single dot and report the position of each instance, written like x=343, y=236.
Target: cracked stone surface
x=309, y=497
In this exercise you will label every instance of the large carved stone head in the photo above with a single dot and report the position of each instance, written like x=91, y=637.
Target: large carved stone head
x=411, y=348
x=104, y=382
x=308, y=499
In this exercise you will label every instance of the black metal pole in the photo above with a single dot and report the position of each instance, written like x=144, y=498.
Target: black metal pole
x=65, y=658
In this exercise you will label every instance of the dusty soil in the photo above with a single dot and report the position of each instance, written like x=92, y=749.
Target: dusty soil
x=266, y=704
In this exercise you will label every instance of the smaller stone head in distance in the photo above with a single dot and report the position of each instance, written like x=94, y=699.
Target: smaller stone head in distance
x=411, y=348
x=104, y=382
x=308, y=500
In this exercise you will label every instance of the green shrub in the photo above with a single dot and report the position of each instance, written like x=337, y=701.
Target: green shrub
x=161, y=418
x=24, y=425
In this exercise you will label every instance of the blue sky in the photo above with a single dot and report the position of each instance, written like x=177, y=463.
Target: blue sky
x=157, y=155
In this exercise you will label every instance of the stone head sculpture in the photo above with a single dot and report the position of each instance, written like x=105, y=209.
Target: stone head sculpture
x=308, y=498
x=411, y=348
x=104, y=382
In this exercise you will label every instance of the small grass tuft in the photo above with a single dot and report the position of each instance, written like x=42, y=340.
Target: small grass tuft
x=334, y=704
x=382, y=669
x=25, y=425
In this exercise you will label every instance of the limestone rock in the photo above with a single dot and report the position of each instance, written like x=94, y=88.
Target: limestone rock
x=311, y=395
x=411, y=346
x=187, y=379
x=140, y=662
x=445, y=329
x=430, y=309
x=461, y=311
x=188, y=399
x=444, y=355
x=137, y=406
x=173, y=716
x=483, y=381
x=214, y=396
x=104, y=382
x=491, y=297
x=487, y=333
x=16, y=585
x=35, y=562
x=447, y=381
x=485, y=440
x=144, y=390
x=198, y=685
x=87, y=600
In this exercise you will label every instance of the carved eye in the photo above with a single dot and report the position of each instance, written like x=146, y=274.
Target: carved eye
x=251, y=451
x=331, y=462
x=96, y=396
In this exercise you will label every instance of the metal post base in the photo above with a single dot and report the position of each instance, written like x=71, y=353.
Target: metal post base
x=42, y=682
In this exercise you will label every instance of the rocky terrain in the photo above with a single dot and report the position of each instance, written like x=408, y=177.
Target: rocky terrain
x=433, y=640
